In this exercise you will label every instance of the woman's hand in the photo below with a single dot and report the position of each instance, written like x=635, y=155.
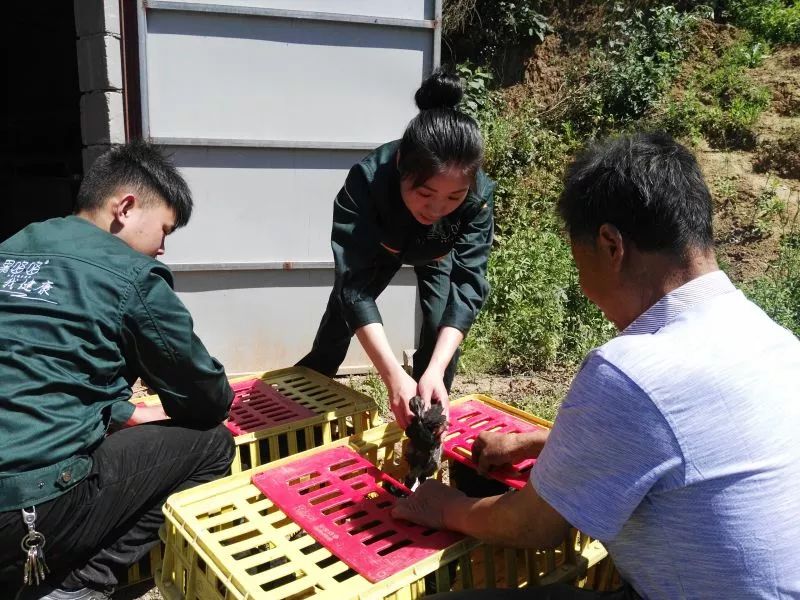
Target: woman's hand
x=431, y=385
x=431, y=389
x=402, y=388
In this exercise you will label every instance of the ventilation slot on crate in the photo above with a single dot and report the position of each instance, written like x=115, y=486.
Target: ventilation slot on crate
x=257, y=405
x=339, y=498
x=469, y=419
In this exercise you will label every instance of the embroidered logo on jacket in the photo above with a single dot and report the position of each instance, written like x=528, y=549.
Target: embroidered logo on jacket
x=22, y=279
x=440, y=232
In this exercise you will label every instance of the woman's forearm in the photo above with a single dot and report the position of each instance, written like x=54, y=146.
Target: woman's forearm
x=375, y=343
x=447, y=343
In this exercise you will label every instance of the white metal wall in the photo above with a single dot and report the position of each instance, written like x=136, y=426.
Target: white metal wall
x=265, y=105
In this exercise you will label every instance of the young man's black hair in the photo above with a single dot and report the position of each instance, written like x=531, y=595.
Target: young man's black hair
x=141, y=166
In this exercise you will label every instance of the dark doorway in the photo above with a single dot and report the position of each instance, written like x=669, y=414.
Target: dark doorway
x=40, y=130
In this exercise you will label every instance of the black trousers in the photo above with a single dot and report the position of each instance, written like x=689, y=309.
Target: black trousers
x=111, y=519
x=333, y=336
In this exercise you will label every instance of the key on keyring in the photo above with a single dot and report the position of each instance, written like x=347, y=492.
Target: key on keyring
x=35, y=565
x=33, y=547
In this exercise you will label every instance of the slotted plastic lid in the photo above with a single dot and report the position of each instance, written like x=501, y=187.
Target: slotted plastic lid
x=469, y=419
x=337, y=496
x=257, y=405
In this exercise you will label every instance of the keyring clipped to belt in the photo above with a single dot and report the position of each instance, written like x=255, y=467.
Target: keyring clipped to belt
x=33, y=547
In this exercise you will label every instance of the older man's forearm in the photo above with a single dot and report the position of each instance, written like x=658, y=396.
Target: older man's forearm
x=519, y=519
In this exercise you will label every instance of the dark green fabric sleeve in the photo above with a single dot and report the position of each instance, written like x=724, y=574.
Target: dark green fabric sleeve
x=159, y=341
x=122, y=411
x=468, y=285
x=355, y=245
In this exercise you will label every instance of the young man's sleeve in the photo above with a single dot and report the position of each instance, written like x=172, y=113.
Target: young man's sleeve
x=609, y=447
x=355, y=244
x=160, y=344
x=468, y=285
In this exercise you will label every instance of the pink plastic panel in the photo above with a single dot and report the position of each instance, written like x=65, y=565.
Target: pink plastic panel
x=257, y=405
x=337, y=496
x=469, y=419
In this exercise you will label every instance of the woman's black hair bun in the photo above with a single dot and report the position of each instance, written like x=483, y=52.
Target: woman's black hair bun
x=441, y=89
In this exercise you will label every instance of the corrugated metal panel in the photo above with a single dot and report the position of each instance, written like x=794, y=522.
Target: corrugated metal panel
x=260, y=78
x=399, y=9
x=265, y=105
x=259, y=205
x=250, y=319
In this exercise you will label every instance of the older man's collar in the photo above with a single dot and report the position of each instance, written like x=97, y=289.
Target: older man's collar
x=678, y=300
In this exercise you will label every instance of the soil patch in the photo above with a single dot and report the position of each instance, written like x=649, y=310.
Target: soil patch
x=780, y=72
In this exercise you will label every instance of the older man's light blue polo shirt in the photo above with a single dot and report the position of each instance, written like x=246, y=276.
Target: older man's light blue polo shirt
x=678, y=446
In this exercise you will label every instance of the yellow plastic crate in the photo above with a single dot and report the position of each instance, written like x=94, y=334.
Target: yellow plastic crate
x=226, y=541
x=144, y=569
x=340, y=411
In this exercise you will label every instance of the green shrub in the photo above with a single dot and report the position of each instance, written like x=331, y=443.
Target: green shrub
x=536, y=315
x=485, y=29
x=526, y=159
x=476, y=89
x=731, y=126
x=634, y=66
x=774, y=20
x=778, y=291
x=529, y=272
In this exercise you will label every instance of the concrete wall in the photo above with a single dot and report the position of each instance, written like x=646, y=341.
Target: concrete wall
x=97, y=23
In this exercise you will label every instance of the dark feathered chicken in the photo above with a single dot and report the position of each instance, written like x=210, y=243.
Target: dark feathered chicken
x=424, y=450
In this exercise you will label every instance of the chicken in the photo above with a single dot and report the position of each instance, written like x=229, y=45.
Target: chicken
x=424, y=450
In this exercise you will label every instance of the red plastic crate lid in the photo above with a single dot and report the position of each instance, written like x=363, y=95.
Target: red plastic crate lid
x=257, y=405
x=337, y=497
x=472, y=417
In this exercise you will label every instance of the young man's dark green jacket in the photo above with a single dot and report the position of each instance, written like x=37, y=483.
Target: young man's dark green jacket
x=374, y=234
x=82, y=316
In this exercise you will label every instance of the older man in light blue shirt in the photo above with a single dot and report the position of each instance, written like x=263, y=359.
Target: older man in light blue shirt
x=677, y=445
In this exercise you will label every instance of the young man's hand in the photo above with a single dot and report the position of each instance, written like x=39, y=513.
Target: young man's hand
x=402, y=388
x=431, y=389
x=146, y=414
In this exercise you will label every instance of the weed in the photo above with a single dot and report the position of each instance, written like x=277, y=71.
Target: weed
x=536, y=315
x=773, y=20
x=725, y=190
x=372, y=385
x=720, y=101
x=544, y=405
x=778, y=291
x=767, y=206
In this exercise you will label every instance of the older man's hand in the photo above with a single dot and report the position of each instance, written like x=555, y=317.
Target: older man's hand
x=492, y=449
x=428, y=505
